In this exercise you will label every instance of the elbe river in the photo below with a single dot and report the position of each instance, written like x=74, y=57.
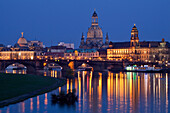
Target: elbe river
x=104, y=92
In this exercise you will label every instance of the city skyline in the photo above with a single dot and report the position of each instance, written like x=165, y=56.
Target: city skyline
x=151, y=20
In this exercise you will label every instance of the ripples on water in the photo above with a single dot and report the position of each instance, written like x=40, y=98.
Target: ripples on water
x=104, y=92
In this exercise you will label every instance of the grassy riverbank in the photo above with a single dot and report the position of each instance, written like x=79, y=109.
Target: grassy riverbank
x=15, y=85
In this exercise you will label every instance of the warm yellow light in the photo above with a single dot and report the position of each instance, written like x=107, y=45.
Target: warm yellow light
x=44, y=64
x=32, y=57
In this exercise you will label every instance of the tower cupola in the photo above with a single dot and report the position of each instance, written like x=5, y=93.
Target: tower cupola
x=94, y=18
x=134, y=36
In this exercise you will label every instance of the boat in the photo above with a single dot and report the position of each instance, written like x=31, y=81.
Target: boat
x=144, y=68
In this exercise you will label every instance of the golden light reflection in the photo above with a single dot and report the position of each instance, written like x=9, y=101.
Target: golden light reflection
x=76, y=87
x=90, y=84
x=71, y=85
x=23, y=107
x=45, y=73
x=100, y=86
x=67, y=85
x=59, y=90
x=55, y=74
x=139, y=86
x=38, y=103
x=7, y=111
x=123, y=90
x=108, y=88
x=79, y=79
x=167, y=92
x=31, y=104
x=45, y=100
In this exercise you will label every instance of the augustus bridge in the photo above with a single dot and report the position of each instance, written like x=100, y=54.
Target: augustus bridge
x=33, y=65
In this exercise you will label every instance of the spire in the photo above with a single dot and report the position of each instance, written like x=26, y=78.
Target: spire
x=22, y=33
x=107, y=36
x=82, y=41
x=82, y=36
x=107, y=39
x=94, y=13
x=94, y=18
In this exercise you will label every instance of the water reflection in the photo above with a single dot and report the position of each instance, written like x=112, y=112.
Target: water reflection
x=53, y=73
x=105, y=92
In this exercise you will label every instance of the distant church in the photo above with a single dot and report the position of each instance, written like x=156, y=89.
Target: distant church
x=94, y=36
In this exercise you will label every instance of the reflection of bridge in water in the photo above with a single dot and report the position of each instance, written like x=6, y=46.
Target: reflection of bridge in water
x=33, y=65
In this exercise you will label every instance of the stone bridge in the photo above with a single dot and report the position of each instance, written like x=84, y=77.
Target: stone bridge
x=33, y=65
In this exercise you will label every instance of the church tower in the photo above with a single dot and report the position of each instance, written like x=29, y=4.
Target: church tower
x=82, y=41
x=134, y=37
x=94, y=34
x=94, y=38
x=94, y=19
x=107, y=39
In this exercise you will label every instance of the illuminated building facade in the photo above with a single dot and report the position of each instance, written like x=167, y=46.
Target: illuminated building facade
x=55, y=52
x=81, y=54
x=94, y=36
x=21, y=51
x=16, y=55
x=147, y=51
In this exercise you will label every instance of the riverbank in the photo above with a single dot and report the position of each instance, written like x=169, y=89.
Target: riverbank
x=18, y=87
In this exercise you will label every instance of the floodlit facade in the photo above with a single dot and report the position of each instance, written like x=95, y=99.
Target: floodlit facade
x=22, y=50
x=81, y=54
x=146, y=51
x=21, y=54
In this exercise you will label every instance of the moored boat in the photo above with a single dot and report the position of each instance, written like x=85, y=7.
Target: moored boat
x=144, y=68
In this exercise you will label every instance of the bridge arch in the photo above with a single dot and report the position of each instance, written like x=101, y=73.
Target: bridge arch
x=31, y=67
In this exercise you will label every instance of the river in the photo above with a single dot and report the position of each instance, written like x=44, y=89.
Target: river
x=104, y=92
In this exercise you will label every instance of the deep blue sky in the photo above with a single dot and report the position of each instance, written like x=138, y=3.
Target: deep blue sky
x=65, y=20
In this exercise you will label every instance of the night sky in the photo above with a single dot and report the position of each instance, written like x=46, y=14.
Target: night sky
x=52, y=21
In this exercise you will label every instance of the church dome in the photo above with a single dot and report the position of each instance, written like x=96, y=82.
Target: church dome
x=22, y=41
x=94, y=32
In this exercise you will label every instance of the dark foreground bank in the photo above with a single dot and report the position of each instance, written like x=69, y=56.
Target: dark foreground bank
x=18, y=87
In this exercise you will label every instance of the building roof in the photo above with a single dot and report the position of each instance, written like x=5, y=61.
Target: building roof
x=58, y=47
x=22, y=40
x=1, y=45
x=119, y=45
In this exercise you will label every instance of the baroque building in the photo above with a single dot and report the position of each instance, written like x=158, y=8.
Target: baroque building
x=145, y=51
x=81, y=54
x=94, y=36
x=22, y=50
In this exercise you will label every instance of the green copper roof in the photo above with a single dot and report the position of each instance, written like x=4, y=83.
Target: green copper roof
x=81, y=50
